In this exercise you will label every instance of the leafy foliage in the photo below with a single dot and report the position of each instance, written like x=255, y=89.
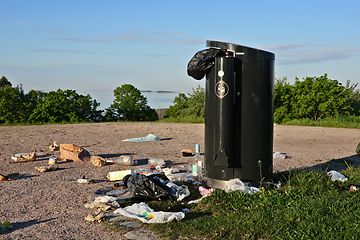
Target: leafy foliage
x=63, y=106
x=4, y=82
x=130, y=105
x=192, y=106
x=11, y=105
x=314, y=98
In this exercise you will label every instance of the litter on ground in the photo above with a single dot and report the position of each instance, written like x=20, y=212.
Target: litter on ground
x=144, y=213
x=150, y=137
x=336, y=176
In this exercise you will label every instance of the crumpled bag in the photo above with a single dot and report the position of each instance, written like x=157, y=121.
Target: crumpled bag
x=237, y=185
x=202, y=62
x=336, y=176
x=142, y=186
x=144, y=213
x=148, y=138
x=73, y=152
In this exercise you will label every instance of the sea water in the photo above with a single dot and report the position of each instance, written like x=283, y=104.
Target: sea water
x=155, y=99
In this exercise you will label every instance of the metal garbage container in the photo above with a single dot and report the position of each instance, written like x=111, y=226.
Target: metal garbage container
x=238, y=114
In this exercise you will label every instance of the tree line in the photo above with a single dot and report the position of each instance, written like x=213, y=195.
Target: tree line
x=313, y=98
x=37, y=107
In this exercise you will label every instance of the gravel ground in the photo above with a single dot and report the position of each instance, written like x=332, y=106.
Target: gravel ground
x=49, y=206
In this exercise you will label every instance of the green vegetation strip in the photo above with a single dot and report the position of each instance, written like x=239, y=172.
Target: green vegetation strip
x=307, y=206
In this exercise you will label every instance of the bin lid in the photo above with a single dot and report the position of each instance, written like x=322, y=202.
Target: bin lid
x=249, y=53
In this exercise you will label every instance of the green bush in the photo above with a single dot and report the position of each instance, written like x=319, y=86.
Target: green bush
x=192, y=106
x=313, y=98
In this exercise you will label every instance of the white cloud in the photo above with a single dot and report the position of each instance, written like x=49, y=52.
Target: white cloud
x=157, y=38
x=306, y=53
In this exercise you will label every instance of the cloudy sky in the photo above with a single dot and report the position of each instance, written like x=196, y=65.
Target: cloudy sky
x=93, y=46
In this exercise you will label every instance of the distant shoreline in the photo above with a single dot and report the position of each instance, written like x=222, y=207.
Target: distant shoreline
x=161, y=91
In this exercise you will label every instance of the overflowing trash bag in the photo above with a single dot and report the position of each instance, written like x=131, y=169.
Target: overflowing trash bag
x=202, y=62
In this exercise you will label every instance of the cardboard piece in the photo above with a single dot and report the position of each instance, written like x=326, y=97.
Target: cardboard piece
x=74, y=153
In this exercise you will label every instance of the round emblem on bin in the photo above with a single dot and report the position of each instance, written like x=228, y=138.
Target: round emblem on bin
x=221, y=89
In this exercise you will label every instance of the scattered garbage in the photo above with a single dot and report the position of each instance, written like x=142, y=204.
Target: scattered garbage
x=205, y=191
x=279, y=155
x=5, y=226
x=24, y=157
x=105, y=199
x=177, y=193
x=9, y=177
x=150, y=137
x=37, y=154
x=237, y=185
x=97, y=161
x=96, y=217
x=118, y=175
x=74, y=153
x=197, y=164
x=54, y=147
x=336, y=176
x=354, y=187
x=178, y=177
x=144, y=213
x=46, y=168
x=116, y=192
x=158, y=162
x=82, y=181
x=126, y=160
x=142, y=186
x=186, y=152
x=52, y=160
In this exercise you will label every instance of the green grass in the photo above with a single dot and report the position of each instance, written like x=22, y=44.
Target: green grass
x=183, y=120
x=337, y=122
x=307, y=206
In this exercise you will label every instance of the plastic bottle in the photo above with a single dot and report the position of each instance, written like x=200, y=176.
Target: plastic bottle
x=197, y=164
x=126, y=160
x=177, y=192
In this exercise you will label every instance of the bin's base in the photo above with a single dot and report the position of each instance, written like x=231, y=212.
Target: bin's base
x=215, y=183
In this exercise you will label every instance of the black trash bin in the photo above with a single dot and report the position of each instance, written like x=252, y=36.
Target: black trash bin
x=238, y=112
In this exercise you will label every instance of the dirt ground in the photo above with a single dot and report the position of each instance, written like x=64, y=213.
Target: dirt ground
x=49, y=206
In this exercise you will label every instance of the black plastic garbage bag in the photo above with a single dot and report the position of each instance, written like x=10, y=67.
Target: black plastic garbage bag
x=202, y=62
x=145, y=187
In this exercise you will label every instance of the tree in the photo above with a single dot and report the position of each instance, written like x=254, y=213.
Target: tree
x=130, y=105
x=11, y=105
x=353, y=97
x=191, y=106
x=64, y=106
x=180, y=102
x=4, y=82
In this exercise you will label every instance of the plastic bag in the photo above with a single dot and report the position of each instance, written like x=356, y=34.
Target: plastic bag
x=145, y=214
x=142, y=186
x=336, y=176
x=202, y=62
x=237, y=185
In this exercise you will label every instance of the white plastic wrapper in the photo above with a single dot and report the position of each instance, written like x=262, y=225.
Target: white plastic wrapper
x=336, y=176
x=145, y=214
x=237, y=185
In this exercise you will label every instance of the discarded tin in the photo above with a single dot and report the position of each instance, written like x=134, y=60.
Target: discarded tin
x=52, y=161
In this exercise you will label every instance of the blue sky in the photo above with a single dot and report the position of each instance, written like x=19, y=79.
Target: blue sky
x=94, y=46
